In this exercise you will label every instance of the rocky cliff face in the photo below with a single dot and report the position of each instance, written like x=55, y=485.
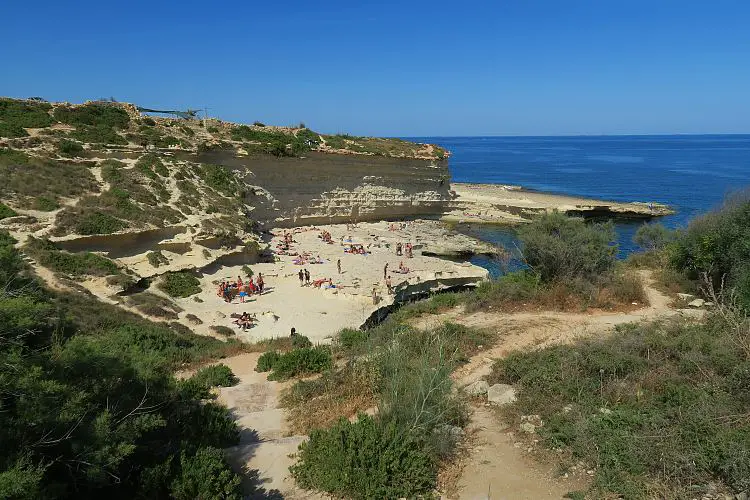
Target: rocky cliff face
x=330, y=188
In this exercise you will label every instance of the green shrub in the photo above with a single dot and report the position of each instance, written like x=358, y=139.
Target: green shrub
x=651, y=237
x=299, y=361
x=206, y=475
x=518, y=286
x=208, y=377
x=154, y=305
x=266, y=361
x=157, y=258
x=180, y=284
x=247, y=271
x=6, y=211
x=45, y=204
x=27, y=114
x=350, y=338
x=365, y=459
x=99, y=134
x=259, y=124
x=74, y=264
x=557, y=247
x=12, y=130
x=219, y=177
x=222, y=330
x=98, y=223
x=717, y=245
x=150, y=164
x=148, y=122
x=69, y=148
x=300, y=342
x=93, y=115
x=652, y=404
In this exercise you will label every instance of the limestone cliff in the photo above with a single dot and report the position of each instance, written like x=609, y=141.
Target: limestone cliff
x=331, y=188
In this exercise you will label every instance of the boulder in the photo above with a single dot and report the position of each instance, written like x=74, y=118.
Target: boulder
x=685, y=296
x=478, y=388
x=501, y=394
x=528, y=427
x=697, y=303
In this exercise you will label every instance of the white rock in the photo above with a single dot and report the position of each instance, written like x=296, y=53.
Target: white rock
x=697, y=303
x=478, y=388
x=528, y=427
x=685, y=296
x=605, y=411
x=501, y=394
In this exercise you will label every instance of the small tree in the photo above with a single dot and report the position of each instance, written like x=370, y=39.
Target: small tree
x=206, y=475
x=652, y=237
x=558, y=247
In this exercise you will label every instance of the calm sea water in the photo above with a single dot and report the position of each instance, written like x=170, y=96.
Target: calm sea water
x=691, y=173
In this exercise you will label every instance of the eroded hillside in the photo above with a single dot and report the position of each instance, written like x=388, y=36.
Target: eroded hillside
x=107, y=199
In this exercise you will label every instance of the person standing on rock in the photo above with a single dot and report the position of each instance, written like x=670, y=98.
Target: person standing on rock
x=301, y=278
x=338, y=265
x=385, y=271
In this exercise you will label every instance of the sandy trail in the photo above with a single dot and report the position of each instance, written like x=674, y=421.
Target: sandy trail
x=254, y=403
x=498, y=467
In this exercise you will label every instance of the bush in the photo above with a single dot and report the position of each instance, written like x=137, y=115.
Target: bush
x=157, y=258
x=350, y=338
x=301, y=361
x=98, y=135
x=26, y=114
x=557, y=247
x=365, y=459
x=670, y=391
x=651, y=237
x=518, y=286
x=206, y=475
x=93, y=115
x=245, y=270
x=222, y=330
x=6, y=211
x=266, y=361
x=11, y=130
x=151, y=165
x=48, y=255
x=69, y=148
x=300, y=341
x=180, y=284
x=259, y=124
x=716, y=245
x=154, y=305
x=45, y=204
x=208, y=377
x=98, y=223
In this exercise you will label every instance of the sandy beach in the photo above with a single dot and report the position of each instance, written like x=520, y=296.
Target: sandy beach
x=319, y=312
x=505, y=204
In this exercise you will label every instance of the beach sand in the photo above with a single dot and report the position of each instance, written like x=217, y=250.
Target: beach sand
x=319, y=313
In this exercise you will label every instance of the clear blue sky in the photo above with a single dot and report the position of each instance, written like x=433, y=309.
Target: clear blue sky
x=403, y=68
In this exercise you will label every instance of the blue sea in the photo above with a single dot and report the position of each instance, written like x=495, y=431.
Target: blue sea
x=692, y=173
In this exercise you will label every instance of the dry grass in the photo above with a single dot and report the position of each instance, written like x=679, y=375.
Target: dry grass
x=322, y=401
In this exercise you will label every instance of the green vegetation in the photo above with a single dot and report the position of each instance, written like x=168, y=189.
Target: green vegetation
x=714, y=248
x=90, y=408
x=69, y=148
x=6, y=211
x=657, y=406
x=98, y=135
x=157, y=258
x=366, y=459
x=405, y=373
x=11, y=130
x=28, y=177
x=46, y=254
x=151, y=165
x=180, y=284
x=208, y=377
x=94, y=222
x=24, y=114
x=93, y=115
x=652, y=237
x=154, y=305
x=299, y=361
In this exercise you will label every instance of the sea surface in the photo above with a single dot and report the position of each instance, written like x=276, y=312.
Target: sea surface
x=691, y=173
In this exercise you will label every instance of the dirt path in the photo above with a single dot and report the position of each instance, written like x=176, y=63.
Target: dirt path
x=254, y=403
x=498, y=465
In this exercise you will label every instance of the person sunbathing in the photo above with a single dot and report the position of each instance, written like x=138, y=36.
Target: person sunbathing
x=318, y=283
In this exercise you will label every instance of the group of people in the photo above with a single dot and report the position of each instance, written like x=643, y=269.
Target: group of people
x=356, y=248
x=245, y=321
x=307, y=258
x=229, y=289
x=408, y=248
x=326, y=237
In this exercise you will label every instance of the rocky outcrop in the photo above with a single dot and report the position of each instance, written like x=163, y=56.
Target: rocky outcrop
x=323, y=188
